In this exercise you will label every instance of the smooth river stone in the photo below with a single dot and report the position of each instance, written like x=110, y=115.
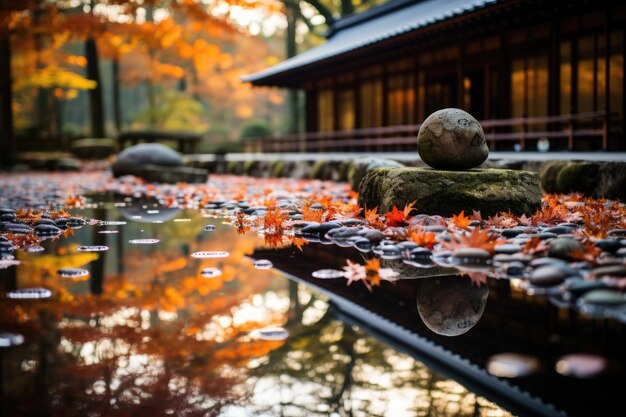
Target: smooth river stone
x=547, y=276
x=604, y=297
x=564, y=248
x=452, y=139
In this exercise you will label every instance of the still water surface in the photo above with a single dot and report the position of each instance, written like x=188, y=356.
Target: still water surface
x=154, y=330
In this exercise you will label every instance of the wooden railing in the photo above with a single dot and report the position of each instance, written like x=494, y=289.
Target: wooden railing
x=592, y=125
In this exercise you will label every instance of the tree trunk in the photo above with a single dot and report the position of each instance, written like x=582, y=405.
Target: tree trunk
x=7, y=137
x=95, y=95
x=293, y=107
x=347, y=8
x=117, y=105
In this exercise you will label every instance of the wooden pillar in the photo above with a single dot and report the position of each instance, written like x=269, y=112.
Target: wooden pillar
x=460, y=86
x=554, y=79
x=607, y=80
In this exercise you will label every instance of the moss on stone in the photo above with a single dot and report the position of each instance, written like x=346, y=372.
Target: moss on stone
x=277, y=168
x=548, y=177
x=489, y=191
x=317, y=170
x=231, y=167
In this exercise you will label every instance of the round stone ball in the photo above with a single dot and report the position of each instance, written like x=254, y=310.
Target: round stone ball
x=452, y=139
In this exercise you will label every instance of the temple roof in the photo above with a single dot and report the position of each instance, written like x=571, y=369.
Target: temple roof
x=378, y=24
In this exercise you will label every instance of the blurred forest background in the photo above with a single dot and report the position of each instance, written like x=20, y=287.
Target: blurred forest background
x=94, y=68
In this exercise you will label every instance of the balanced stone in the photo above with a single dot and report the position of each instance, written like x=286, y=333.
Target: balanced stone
x=452, y=139
x=445, y=193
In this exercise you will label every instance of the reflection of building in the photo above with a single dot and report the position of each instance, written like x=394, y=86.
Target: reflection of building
x=513, y=61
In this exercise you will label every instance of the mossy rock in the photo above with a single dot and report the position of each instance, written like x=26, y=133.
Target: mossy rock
x=361, y=166
x=548, y=177
x=345, y=168
x=317, y=170
x=277, y=168
x=445, y=193
x=612, y=181
x=231, y=167
x=94, y=148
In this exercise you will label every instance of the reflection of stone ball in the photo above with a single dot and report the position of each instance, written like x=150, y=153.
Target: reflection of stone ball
x=450, y=305
x=452, y=139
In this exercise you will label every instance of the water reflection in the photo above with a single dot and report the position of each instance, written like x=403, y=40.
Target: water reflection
x=450, y=305
x=149, y=334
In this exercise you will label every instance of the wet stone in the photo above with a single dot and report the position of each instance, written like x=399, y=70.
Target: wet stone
x=621, y=233
x=471, y=256
x=263, y=264
x=390, y=252
x=210, y=272
x=512, y=365
x=342, y=233
x=30, y=294
x=210, y=254
x=546, y=261
x=362, y=244
x=604, y=297
x=72, y=273
x=508, y=248
x=509, y=233
x=49, y=222
x=143, y=241
x=559, y=230
x=578, y=286
x=515, y=269
x=46, y=230
x=545, y=235
x=328, y=274
x=407, y=245
x=420, y=255
x=16, y=228
x=581, y=365
x=95, y=248
x=611, y=270
x=563, y=248
x=373, y=235
x=547, y=276
x=608, y=245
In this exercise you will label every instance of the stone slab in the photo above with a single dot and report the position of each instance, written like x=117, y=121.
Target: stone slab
x=173, y=175
x=445, y=193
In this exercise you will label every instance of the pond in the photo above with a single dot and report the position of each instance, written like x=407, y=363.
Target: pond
x=153, y=330
x=268, y=297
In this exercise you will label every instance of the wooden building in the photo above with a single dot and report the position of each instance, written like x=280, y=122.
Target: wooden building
x=530, y=70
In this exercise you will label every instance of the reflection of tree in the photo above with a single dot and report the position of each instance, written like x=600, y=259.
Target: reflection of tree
x=159, y=337
x=329, y=368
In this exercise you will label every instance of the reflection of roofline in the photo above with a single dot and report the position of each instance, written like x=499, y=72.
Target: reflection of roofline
x=336, y=47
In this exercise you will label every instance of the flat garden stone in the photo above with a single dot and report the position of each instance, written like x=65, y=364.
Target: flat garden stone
x=445, y=193
x=361, y=166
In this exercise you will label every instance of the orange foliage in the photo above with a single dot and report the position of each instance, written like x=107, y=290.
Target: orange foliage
x=422, y=238
x=480, y=239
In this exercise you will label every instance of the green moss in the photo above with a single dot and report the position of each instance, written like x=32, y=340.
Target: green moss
x=317, y=170
x=567, y=177
x=231, y=167
x=548, y=177
x=277, y=168
x=449, y=192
